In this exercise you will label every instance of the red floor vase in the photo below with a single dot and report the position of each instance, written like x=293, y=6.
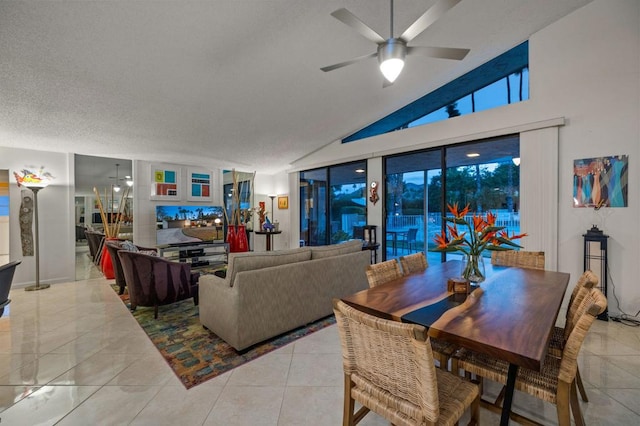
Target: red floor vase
x=232, y=238
x=242, y=241
x=106, y=264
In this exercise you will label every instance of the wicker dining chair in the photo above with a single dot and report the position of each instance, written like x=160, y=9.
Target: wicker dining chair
x=585, y=283
x=518, y=258
x=380, y=273
x=388, y=368
x=556, y=382
x=412, y=263
x=383, y=272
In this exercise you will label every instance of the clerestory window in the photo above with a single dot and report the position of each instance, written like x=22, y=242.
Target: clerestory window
x=501, y=81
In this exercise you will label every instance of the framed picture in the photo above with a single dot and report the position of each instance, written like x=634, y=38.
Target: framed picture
x=165, y=183
x=199, y=185
x=601, y=182
x=283, y=202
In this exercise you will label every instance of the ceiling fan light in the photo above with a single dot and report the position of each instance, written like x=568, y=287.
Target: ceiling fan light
x=391, y=69
x=391, y=56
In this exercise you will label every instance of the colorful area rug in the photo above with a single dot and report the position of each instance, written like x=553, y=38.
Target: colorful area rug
x=196, y=354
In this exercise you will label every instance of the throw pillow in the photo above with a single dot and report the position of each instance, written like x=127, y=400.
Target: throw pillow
x=129, y=246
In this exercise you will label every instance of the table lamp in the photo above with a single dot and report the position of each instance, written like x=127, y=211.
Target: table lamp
x=35, y=181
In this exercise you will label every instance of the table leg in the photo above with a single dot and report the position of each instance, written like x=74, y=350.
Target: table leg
x=508, y=394
x=268, y=239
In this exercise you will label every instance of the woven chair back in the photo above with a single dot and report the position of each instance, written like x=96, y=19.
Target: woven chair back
x=391, y=364
x=586, y=282
x=413, y=263
x=383, y=272
x=520, y=259
x=591, y=306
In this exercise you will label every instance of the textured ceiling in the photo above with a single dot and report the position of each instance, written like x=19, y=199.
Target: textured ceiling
x=230, y=83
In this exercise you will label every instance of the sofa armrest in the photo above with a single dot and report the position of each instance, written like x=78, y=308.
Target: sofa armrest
x=218, y=306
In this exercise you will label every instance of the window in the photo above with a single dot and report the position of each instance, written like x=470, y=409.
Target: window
x=482, y=174
x=501, y=81
x=333, y=203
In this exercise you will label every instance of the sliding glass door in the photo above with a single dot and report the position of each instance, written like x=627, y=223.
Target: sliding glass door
x=333, y=205
x=412, y=202
x=484, y=174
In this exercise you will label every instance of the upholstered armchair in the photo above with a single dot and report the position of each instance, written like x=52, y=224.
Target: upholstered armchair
x=154, y=281
x=6, y=278
x=94, y=239
x=112, y=247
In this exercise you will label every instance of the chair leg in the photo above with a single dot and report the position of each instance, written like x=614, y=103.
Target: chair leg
x=121, y=292
x=583, y=392
x=349, y=403
x=475, y=411
x=563, y=401
x=575, y=406
x=155, y=312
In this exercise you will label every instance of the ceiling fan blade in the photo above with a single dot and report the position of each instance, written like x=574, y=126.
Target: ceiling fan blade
x=348, y=18
x=429, y=17
x=439, y=52
x=352, y=61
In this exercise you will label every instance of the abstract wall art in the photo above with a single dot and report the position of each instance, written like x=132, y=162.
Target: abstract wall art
x=199, y=185
x=600, y=182
x=165, y=183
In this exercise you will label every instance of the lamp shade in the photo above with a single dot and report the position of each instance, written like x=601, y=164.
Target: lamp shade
x=391, y=56
x=33, y=179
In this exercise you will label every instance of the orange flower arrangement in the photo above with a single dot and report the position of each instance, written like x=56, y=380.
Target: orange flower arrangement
x=482, y=234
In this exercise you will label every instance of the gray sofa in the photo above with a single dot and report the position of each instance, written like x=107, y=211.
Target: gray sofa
x=266, y=294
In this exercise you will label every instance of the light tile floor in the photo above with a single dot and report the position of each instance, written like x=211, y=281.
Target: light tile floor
x=73, y=355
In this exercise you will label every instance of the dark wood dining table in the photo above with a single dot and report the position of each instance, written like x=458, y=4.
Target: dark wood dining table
x=512, y=320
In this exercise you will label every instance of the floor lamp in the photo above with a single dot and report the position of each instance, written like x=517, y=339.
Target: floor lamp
x=272, y=211
x=35, y=182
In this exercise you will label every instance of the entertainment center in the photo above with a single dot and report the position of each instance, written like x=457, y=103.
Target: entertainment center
x=199, y=254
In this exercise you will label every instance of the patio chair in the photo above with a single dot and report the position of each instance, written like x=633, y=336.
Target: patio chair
x=409, y=239
x=388, y=368
x=6, y=278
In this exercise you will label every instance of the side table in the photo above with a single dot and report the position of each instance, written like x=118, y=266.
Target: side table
x=268, y=237
x=373, y=247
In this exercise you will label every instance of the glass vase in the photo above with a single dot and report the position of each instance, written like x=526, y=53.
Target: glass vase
x=473, y=268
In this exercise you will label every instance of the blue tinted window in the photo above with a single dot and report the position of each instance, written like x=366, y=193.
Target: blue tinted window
x=501, y=81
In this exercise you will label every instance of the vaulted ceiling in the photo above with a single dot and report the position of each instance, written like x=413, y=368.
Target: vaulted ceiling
x=229, y=83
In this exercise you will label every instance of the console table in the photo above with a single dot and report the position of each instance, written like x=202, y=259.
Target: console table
x=268, y=237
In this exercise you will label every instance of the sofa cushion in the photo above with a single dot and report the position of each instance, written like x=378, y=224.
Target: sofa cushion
x=320, y=252
x=239, y=262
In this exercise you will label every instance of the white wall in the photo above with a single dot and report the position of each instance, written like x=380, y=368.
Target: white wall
x=584, y=68
x=56, y=217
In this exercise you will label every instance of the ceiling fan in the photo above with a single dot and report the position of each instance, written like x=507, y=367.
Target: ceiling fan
x=392, y=51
